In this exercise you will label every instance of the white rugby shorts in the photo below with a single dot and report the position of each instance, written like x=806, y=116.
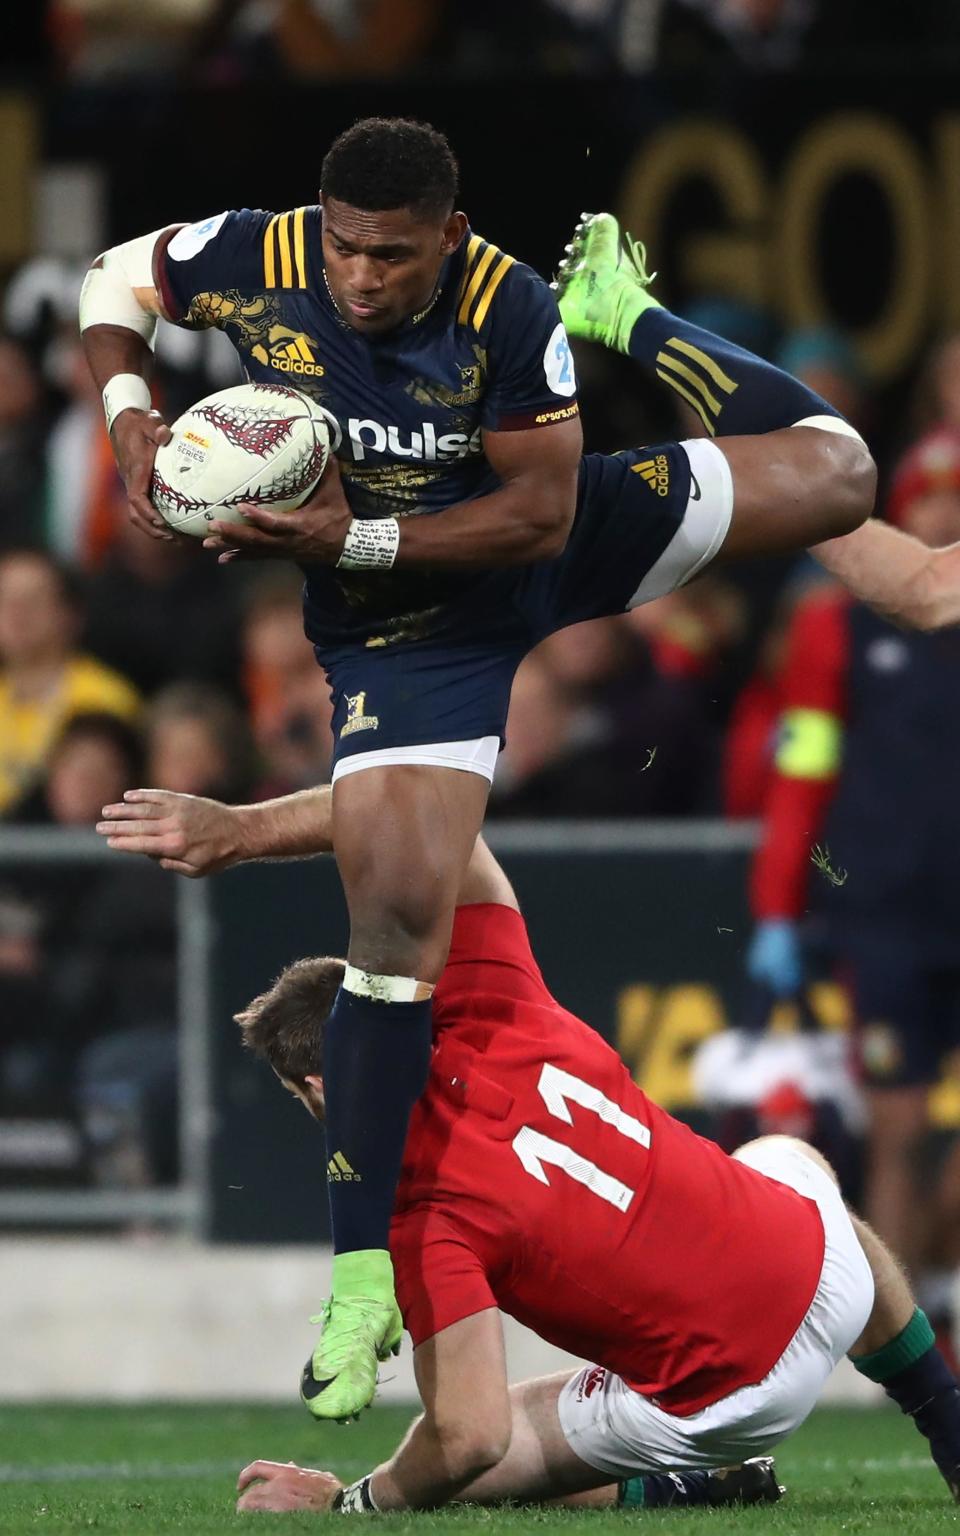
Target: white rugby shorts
x=621, y=1433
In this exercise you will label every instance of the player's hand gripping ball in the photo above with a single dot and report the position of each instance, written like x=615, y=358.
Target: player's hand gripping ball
x=264, y=444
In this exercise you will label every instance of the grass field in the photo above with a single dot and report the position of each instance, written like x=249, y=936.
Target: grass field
x=136, y=1471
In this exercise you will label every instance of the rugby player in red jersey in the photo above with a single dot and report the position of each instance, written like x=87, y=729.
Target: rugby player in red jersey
x=714, y=1293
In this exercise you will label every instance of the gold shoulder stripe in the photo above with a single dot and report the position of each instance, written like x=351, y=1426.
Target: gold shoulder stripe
x=286, y=260
x=269, y=254
x=476, y=278
x=496, y=278
x=473, y=246
x=706, y=363
x=299, y=249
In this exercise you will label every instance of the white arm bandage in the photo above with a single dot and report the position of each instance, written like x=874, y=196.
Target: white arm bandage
x=107, y=296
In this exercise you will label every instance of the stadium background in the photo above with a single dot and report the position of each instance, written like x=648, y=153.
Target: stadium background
x=798, y=184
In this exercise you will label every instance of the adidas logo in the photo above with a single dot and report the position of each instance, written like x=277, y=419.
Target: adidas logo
x=339, y=1169
x=656, y=473
x=291, y=357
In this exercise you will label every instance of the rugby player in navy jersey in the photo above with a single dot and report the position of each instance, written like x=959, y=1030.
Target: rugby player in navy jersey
x=458, y=526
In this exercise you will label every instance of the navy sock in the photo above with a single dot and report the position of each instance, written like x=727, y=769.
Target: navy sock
x=733, y=392
x=928, y=1391
x=661, y=1490
x=375, y=1062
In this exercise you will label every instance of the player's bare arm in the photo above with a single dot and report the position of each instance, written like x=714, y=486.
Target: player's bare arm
x=897, y=575
x=119, y=309
x=527, y=519
x=195, y=836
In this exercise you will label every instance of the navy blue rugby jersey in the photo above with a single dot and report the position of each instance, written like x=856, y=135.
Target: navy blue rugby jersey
x=488, y=352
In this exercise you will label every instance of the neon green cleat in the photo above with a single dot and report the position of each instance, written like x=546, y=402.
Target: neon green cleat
x=602, y=283
x=361, y=1326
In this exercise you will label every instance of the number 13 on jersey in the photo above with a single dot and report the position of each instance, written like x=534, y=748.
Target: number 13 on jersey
x=534, y=1149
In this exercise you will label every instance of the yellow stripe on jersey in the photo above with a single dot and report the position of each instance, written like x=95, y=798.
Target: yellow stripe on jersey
x=692, y=378
x=299, y=249
x=681, y=389
x=269, y=254
x=286, y=260
x=473, y=246
x=476, y=278
x=497, y=276
x=810, y=744
x=706, y=363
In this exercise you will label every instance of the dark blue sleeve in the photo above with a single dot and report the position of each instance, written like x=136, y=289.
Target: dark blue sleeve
x=223, y=253
x=530, y=374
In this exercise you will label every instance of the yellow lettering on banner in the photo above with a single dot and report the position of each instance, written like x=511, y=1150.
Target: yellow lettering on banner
x=840, y=146
x=733, y=261
x=657, y=1033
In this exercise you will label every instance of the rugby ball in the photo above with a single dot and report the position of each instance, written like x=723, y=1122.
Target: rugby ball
x=260, y=443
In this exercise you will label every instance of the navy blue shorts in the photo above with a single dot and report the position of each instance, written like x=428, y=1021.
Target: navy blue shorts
x=907, y=1006
x=645, y=523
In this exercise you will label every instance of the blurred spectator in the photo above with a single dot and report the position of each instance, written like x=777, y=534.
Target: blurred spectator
x=867, y=762
x=21, y=447
x=365, y=38
x=86, y=501
x=100, y=39
x=762, y=34
x=937, y=397
x=199, y=743
x=827, y=363
x=165, y=612
x=94, y=759
x=287, y=693
x=749, y=749
x=596, y=729
x=44, y=679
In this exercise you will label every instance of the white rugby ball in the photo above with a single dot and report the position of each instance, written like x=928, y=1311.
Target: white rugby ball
x=260, y=443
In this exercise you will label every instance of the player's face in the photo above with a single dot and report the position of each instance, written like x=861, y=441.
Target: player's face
x=383, y=267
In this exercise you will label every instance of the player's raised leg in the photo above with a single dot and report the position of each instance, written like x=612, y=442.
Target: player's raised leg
x=403, y=835
x=800, y=473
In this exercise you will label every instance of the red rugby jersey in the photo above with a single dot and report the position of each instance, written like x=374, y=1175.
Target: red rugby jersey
x=539, y=1179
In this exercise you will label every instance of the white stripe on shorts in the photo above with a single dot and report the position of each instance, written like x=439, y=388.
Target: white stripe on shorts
x=704, y=527
x=479, y=756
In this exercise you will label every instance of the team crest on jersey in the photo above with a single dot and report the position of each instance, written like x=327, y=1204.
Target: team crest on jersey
x=289, y=352
x=357, y=717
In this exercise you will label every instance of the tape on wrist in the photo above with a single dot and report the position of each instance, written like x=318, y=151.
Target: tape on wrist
x=124, y=392
x=356, y=1499
x=371, y=544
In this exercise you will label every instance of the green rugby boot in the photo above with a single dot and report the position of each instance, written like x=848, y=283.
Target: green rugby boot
x=361, y=1326
x=602, y=284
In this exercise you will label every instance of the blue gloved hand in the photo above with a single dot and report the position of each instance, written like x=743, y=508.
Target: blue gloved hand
x=774, y=957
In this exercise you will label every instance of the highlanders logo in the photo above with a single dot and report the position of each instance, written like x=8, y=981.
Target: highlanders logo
x=357, y=717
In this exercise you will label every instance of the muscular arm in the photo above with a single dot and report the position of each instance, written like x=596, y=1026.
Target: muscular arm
x=465, y=1427
x=528, y=518
x=902, y=579
x=118, y=305
x=195, y=836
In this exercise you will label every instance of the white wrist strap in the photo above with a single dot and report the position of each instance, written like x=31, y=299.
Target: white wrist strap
x=371, y=544
x=125, y=391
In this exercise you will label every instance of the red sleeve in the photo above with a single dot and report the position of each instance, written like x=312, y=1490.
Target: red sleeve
x=440, y=1278
x=814, y=708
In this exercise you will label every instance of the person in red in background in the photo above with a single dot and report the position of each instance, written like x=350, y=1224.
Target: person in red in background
x=866, y=765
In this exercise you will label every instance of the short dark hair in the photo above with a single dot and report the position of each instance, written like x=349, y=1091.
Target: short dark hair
x=100, y=725
x=285, y=1024
x=391, y=162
